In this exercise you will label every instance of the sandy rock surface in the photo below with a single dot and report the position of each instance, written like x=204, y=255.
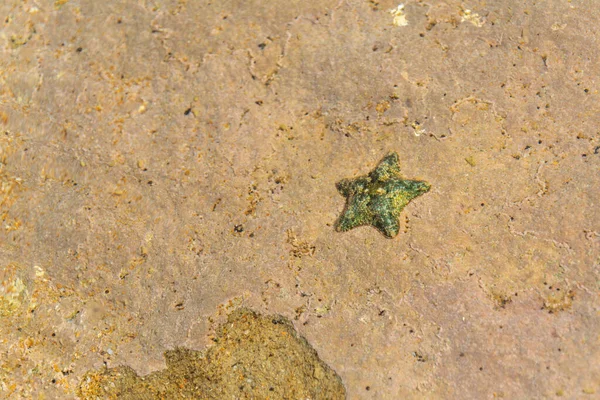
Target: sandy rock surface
x=163, y=163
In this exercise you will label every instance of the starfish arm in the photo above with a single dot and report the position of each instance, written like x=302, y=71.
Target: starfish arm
x=401, y=192
x=347, y=222
x=398, y=202
x=387, y=168
x=344, y=187
x=387, y=224
x=355, y=214
x=416, y=188
x=349, y=187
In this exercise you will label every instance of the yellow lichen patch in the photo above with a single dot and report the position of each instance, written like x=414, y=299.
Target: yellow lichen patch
x=559, y=301
x=60, y=3
x=471, y=161
x=382, y=107
x=474, y=18
x=418, y=128
x=12, y=291
x=588, y=390
x=399, y=16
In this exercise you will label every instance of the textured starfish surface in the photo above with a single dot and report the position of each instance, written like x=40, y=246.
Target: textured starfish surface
x=378, y=198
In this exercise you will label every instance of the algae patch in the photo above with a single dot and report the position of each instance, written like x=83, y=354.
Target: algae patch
x=254, y=356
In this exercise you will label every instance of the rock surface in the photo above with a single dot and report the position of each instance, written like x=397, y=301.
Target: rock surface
x=163, y=163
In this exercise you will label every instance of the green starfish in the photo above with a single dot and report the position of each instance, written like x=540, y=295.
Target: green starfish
x=378, y=198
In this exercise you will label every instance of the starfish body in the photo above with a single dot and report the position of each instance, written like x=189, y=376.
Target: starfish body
x=378, y=198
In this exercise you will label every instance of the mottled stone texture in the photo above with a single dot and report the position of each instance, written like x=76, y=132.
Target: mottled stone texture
x=164, y=162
